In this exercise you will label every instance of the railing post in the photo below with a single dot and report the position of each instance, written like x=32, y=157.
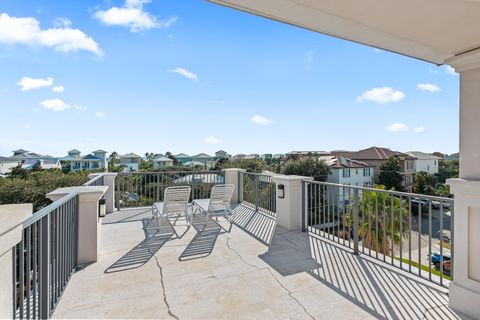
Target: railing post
x=44, y=266
x=355, y=221
x=234, y=176
x=304, y=206
x=257, y=188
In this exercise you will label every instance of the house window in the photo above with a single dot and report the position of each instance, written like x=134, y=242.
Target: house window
x=346, y=173
x=356, y=171
x=366, y=172
x=434, y=162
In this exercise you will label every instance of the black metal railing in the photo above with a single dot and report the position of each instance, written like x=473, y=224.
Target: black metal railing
x=410, y=231
x=258, y=191
x=45, y=259
x=146, y=188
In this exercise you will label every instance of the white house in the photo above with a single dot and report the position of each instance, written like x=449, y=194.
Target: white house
x=348, y=171
x=130, y=161
x=6, y=165
x=161, y=162
x=425, y=162
x=77, y=162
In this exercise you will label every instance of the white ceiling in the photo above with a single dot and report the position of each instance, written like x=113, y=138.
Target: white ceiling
x=431, y=30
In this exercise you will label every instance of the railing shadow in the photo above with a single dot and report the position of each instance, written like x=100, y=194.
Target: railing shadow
x=204, y=240
x=155, y=238
x=125, y=216
x=257, y=224
x=381, y=290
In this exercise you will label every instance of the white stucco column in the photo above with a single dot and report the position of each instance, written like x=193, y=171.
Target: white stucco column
x=88, y=219
x=11, y=228
x=289, y=208
x=109, y=181
x=465, y=289
x=231, y=177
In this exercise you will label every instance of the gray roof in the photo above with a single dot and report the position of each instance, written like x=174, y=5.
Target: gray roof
x=99, y=150
x=163, y=159
x=182, y=155
x=130, y=155
x=202, y=155
x=74, y=151
x=422, y=155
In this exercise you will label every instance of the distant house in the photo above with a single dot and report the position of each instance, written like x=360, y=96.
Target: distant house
x=29, y=159
x=439, y=154
x=251, y=157
x=77, y=162
x=240, y=156
x=300, y=154
x=220, y=154
x=376, y=156
x=348, y=171
x=278, y=156
x=130, y=161
x=425, y=162
x=161, y=162
x=183, y=158
x=453, y=156
x=205, y=159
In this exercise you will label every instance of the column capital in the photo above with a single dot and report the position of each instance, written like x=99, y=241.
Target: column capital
x=465, y=61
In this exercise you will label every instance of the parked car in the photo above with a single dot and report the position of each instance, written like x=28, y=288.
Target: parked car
x=436, y=259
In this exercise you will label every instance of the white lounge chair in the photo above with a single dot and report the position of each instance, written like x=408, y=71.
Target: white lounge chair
x=219, y=204
x=175, y=204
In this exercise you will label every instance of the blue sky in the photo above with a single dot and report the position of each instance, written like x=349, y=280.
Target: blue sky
x=191, y=76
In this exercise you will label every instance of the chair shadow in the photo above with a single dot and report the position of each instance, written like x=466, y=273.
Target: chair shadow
x=125, y=216
x=381, y=290
x=257, y=224
x=202, y=244
x=155, y=238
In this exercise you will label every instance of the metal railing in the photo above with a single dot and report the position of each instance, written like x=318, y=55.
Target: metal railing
x=45, y=259
x=410, y=231
x=95, y=181
x=258, y=191
x=146, y=188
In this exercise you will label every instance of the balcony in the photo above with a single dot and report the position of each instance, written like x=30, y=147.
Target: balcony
x=259, y=270
x=293, y=252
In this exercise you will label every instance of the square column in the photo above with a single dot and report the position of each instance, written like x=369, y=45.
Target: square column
x=109, y=181
x=231, y=177
x=465, y=289
x=88, y=219
x=290, y=207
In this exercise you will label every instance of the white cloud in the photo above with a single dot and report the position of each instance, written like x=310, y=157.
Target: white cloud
x=420, y=129
x=376, y=50
x=261, y=120
x=133, y=16
x=428, y=87
x=450, y=70
x=27, y=31
x=55, y=105
x=187, y=74
x=211, y=140
x=397, y=127
x=80, y=108
x=62, y=22
x=58, y=89
x=27, y=83
x=381, y=95
x=100, y=114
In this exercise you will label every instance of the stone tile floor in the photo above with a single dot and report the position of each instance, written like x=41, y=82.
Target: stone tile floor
x=257, y=271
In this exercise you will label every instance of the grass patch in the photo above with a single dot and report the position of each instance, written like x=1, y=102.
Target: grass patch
x=423, y=267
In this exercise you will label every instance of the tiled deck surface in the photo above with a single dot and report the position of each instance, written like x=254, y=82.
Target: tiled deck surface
x=143, y=273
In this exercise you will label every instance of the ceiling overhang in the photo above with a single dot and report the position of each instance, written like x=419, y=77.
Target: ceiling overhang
x=429, y=30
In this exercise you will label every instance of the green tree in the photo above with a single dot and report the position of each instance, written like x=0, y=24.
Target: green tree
x=112, y=160
x=147, y=164
x=37, y=166
x=424, y=183
x=447, y=169
x=18, y=172
x=377, y=231
x=390, y=174
x=253, y=165
x=443, y=190
x=307, y=166
x=169, y=155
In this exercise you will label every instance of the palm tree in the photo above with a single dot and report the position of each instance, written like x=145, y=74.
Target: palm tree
x=382, y=219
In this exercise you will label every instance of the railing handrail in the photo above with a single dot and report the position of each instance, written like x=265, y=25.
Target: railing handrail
x=46, y=210
x=91, y=181
x=257, y=174
x=392, y=192
x=163, y=172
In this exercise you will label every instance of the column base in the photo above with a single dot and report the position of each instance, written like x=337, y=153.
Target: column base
x=464, y=300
